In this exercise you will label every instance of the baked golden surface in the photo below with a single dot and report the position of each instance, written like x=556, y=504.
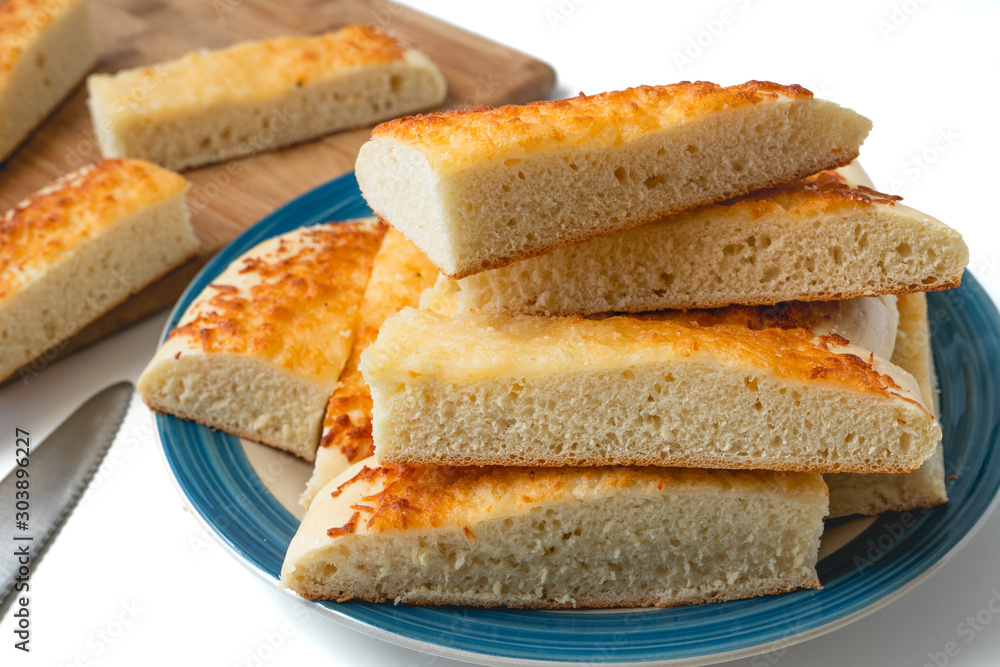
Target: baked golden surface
x=427, y=342
x=605, y=119
x=298, y=298
x=20, y=20
x=411, y=497
x=43, y=228
x=252, y=69
x=555, y=538
x=399, y=274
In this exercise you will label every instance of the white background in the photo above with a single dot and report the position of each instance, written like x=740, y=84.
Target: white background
x=133, y=579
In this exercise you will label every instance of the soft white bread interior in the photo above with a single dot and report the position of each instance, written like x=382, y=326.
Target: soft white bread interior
x=256, y=96
x=46, y=48
x=82, y=245
x=400, y=272
x=557, y=537
x=818, y=238
x=259, y=352
x=637, y=391
x=852, y=493
x=478, y=189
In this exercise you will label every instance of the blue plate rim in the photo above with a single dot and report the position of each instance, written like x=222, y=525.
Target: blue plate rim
x=320, y=196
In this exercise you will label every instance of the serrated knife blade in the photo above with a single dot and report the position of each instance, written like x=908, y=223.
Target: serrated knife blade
x=58, y=471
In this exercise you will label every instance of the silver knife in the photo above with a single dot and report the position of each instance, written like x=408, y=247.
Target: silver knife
x=48, y=479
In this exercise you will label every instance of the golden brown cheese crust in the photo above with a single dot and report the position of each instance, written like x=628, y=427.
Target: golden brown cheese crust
x=794, y=353
x=20, y=21
x=348, y=421
x=399, y=274
x=296, y=294
x=784, y=315
x=68, y=212
x=259, y=68
x=803, y=197
x=411, y=497
x=610, y=118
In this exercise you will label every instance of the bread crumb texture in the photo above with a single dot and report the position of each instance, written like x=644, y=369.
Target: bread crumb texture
x=70, y=211
x=566, y=537
x=811, y=239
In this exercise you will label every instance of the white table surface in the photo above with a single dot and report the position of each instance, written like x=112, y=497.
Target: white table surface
x=133, y=579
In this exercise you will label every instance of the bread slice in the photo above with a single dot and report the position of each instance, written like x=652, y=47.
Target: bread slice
x=557, y=537
x=925, y=487
x=211, y=106
x=400, y=272
x=520, y=390
x=47, y=47
x=815, y=239
x=259, y=352
x=867, y=322
x=82, y=245
x=479, y=189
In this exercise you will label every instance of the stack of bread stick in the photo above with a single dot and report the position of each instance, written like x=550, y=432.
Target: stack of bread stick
x=675, y=330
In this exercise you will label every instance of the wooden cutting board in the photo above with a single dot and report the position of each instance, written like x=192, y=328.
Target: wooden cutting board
x=227, y=198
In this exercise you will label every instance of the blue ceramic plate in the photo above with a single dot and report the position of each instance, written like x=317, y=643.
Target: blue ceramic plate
x=888, y=558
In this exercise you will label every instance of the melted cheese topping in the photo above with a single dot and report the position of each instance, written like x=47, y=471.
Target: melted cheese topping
x=802, y=199
x=21, y=21
x=247, y=71
x=292, y=300
x=607, y=119
x=385, y=498
x=418, y=342
x=69, y=212
x=868, y=322
x=399, y=274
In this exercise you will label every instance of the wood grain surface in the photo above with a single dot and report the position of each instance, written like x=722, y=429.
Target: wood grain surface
x=227, y=198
